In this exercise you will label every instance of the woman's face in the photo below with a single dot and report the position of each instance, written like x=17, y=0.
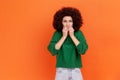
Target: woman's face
x=67, y=21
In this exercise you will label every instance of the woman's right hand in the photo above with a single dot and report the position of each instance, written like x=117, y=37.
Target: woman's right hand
x=65, y=31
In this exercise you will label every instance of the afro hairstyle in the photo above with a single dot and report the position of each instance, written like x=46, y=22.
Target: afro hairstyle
x=67, y=11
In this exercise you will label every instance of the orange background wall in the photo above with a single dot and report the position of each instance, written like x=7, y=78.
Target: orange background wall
x=26, y=29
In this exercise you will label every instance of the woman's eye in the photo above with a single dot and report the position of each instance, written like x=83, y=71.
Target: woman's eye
x=70, y=21
x=64, y=21
x=67, y=21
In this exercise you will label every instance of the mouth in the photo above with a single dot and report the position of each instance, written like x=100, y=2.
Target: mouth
x=67, y=26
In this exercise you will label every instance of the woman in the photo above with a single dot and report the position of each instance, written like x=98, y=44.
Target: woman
x=68, y=44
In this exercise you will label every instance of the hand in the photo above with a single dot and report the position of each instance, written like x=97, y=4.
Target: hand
x=71, y=31
x=65, y=31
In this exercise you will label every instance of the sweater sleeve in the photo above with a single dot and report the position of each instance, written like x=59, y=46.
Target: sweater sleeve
x=51, y=46
x=82, y=46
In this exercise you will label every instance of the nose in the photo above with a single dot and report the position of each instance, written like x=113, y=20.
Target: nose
x=67, y=24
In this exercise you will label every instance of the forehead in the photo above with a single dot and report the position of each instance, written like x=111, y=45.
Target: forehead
x=67, y=18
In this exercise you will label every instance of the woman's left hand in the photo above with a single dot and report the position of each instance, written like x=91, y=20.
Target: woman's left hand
x=71, y=31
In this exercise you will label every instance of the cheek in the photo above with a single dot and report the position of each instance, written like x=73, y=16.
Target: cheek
x=63, y=24
x=71, y=24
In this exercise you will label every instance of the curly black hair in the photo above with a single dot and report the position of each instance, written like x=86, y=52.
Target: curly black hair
x=67, y=11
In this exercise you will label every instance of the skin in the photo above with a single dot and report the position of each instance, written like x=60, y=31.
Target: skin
x=67, y=30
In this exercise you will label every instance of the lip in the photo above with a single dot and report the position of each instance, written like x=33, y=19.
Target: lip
x=67, y=26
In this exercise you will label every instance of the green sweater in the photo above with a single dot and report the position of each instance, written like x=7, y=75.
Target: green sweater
x=69, y=55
